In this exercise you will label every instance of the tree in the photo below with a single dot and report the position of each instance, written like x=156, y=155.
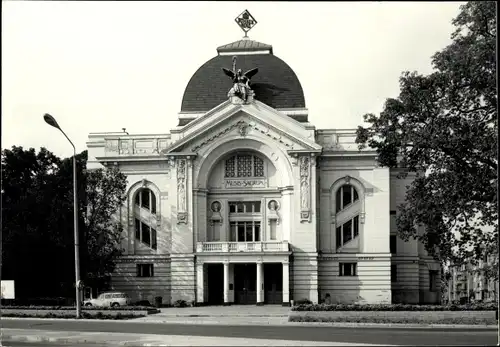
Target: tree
x=37, y=221
x=443, y=129
x=105, y=194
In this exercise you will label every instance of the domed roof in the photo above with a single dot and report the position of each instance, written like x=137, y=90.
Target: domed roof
x=275, y=84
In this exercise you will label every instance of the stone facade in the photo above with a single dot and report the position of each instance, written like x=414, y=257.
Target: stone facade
x=246, y=203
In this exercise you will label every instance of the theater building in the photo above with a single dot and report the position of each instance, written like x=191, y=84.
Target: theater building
x=246, y=202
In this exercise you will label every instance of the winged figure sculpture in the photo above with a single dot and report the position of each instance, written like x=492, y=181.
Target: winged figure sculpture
x=240, y=80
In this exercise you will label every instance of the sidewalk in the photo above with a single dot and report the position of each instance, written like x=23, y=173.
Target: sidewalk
x=139, y=340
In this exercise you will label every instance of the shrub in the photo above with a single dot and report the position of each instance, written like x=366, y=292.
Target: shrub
x=302, y=302
x=180, y=303
x=396, y=307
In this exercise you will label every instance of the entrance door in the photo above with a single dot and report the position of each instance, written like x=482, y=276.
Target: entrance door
x=273, y=283
x=215, y=273
x=245, y=283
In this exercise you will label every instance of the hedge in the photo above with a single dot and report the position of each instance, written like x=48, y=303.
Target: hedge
x=395, y=307
x=86, y=308
x=84, y=315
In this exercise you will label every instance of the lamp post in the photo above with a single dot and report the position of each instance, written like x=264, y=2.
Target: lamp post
x=51, y=121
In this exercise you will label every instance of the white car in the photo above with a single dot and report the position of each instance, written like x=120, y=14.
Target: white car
x=112, y=299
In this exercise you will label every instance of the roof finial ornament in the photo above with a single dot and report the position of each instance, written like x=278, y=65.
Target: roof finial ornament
x=246, y=22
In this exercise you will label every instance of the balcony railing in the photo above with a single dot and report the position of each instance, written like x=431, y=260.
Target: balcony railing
x=236, y=247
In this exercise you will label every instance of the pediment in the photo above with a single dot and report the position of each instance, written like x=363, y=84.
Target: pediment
x=244, y=120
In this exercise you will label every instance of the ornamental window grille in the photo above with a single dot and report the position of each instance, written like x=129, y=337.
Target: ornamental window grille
x=246, y=165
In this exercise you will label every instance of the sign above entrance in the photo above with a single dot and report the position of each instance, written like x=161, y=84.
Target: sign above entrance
x=242, y=183
x=245, y=21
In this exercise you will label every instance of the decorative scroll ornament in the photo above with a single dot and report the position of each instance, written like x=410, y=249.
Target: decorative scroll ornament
x=181, y=192
x=241, y=83
x=304, y=188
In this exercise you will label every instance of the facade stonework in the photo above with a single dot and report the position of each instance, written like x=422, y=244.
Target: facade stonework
x=249, y=204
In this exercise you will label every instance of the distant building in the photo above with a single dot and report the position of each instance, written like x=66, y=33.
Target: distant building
x=246, y=202
x=468, y=283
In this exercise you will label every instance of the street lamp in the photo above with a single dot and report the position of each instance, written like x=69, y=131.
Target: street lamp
x=51, y=121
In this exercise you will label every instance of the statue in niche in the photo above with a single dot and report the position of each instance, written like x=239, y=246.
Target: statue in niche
x=241, y=81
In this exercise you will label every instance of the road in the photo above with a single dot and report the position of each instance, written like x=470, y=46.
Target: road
x=368, y=335
x=42, y=344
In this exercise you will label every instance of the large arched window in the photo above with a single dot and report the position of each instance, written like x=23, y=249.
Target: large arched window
x=347, y=229
x=145, y=217
x=146, y=199
x=244, y=165
x=346, y=195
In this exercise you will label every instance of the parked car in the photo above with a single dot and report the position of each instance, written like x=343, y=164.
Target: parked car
x=111, y=299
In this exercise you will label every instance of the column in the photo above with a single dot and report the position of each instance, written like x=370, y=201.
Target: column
x=200, y=296
x=226, y=283
x=286, y=283
x=260, y=283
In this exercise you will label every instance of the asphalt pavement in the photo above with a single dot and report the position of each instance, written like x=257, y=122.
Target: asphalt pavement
x=323, y=333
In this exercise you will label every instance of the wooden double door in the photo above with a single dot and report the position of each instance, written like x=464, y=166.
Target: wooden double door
x=245, y=283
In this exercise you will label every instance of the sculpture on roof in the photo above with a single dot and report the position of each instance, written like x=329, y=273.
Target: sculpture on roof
x=241, y=81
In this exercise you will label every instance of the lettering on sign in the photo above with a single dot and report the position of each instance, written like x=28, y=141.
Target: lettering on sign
x=366, y=258
x=245, y=183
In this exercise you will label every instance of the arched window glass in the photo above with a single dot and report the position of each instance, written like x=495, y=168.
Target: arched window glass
x=146, y=199
x=245, y=165
x=345, y=196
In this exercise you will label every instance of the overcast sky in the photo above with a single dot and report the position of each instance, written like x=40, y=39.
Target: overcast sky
x=102, y=66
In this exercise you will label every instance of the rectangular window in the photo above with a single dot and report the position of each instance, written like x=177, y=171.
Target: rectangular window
x=145, y=270
x=145, y=198
x=137, y=229
x=347, y=269
x=346, y=196
x=233, y=228
x=433, y=280
x=347, y=232
x=245, y=231
x=244, y=207
x=256, y=231
x=393, y=241
x=356, y=226
x=146, y=234
x=394, y=273
x=272, y=230
x=153, y=239
x=241, y=232
x=339, y=237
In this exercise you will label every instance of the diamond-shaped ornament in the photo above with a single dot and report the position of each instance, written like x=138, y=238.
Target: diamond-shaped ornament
x=245, y=21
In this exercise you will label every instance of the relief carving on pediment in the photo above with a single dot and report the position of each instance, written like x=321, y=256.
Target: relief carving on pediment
x=243, y=129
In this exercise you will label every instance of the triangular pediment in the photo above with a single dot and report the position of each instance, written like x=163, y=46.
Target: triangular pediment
x=253, y=117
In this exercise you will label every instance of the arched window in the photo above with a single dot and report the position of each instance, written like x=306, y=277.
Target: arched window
x=245, y=165
x=346, y=230
x=144, y=213
x=146, y=199
x=346, y=195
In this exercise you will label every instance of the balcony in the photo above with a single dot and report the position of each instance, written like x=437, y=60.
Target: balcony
x=238, y=247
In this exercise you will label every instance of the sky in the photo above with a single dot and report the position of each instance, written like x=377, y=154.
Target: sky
x=102, y=66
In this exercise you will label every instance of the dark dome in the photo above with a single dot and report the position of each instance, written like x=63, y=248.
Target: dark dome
x=275, y=84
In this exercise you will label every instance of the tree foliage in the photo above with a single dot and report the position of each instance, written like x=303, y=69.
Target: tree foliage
x=38, y=221
x=443, y=129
